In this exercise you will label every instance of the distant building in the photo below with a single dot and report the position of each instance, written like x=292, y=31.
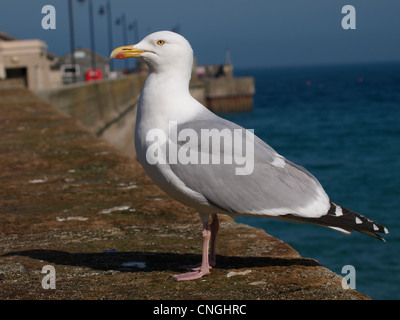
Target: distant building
x=29, y=61
x=83, y=64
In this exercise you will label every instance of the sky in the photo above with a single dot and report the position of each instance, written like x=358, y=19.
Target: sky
x=258, y=33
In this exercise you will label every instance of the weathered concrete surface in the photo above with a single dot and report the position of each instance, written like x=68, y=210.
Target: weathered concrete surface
x=66, y=197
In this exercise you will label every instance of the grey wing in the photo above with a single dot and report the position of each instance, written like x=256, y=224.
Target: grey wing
x=273, y=186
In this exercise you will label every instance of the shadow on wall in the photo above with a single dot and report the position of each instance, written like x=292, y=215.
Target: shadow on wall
x=152, y=261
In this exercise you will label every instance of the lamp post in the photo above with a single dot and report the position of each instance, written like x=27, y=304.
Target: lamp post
x=91, y=28
x=72, y=37
x=92, y=39
x=102, y=10
x=122, y=21
x=133, y=26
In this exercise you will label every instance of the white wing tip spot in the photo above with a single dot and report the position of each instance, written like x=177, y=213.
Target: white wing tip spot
x=338, y=211
x=278, y=162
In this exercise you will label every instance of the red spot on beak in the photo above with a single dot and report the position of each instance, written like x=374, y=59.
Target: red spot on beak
x=120, y=56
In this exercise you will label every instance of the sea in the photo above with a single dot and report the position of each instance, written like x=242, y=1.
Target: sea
x=342, y=123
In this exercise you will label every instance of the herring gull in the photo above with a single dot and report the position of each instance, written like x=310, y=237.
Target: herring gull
x=214, y=165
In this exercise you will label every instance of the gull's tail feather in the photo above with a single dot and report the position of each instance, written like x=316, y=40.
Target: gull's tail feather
x=345, y=221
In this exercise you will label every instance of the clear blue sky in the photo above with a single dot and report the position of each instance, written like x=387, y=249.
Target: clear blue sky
x=258, y=32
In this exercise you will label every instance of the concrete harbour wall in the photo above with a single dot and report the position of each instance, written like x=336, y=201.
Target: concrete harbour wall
x=229, y=94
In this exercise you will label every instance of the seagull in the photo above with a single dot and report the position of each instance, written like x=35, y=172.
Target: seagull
x=237, y=174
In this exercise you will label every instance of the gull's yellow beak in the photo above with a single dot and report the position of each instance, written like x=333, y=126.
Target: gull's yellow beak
x=126, y=52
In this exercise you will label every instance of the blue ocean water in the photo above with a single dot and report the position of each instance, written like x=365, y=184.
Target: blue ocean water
x=342, y=123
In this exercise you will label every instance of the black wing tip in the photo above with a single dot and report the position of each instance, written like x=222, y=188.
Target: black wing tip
x=343, y=220
x=373, y=234
x=357, y=222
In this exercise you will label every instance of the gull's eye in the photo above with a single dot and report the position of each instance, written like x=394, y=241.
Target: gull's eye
x=160, y=42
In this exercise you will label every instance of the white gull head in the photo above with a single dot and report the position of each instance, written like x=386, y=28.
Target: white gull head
x=163, y=51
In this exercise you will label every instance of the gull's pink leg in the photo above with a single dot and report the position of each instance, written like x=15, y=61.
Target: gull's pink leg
x=214, y=227
x=214, y=230
x=205, y=267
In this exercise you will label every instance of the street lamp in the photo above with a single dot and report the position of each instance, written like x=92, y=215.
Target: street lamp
x=91, y=26
x=102, y=10
x=133, y=26
x=72, y=37
x=122, y=21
